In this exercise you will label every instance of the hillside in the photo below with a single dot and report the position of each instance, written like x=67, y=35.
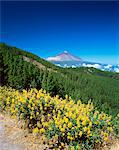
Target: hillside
x=23, y=70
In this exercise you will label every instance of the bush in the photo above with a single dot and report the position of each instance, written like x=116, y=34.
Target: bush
x=62, y=121
x=116, y=125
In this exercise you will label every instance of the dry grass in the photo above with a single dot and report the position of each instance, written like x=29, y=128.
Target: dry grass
x=37, y=64
x=16, y=135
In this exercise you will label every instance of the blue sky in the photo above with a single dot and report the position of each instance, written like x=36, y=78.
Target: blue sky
x=89, y=30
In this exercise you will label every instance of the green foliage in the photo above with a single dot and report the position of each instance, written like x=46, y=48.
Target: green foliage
x=116, y=125
x=79, y=83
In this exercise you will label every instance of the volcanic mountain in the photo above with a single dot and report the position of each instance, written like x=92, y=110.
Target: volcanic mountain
x=65, y=56
x=66, y=59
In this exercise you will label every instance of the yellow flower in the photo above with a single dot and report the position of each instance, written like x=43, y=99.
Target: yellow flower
x=39, y=125
x=32, y=108
x=105, y=134
x=71, y=138
x=106, y=139
x=64, y=126
x=12, y=100
x=73, y=128
x=80, y=133
x=90, y=124
x=42, y=130
x=96, y=122
x=31, y=117
x=35, y=130
x=67, y=115
x=62, y=130
x=53, y=111
x=73, y=116
x=110, y=129
x=78, y=124
x=88, y=132
x=62, y=144
x=72, y=148
x=97, y=141
x=65, y=119
x=69, y=124
x=84, y=123
x=49, y=115
x=37, y=113
x=85, y=129
x=78, y=147
x=45, y=124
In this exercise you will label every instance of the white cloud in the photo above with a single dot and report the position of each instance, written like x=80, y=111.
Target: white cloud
x=58, y=65
x=73, y=66
x=116, y=69
x=108, y=66
x=92, y=65
x=65, y=65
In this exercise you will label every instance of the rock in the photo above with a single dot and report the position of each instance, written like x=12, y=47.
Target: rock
x=1, y=117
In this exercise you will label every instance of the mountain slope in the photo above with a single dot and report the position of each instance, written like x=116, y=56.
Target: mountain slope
x=23, y=70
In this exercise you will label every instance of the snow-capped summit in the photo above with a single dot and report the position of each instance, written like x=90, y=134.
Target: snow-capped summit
x=65, y=51
x=65, y=56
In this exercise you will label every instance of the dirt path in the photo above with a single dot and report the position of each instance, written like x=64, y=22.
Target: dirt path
x=4, y=141
x=14, y=138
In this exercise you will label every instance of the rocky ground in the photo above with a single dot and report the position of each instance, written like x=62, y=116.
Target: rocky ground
x=14, y=138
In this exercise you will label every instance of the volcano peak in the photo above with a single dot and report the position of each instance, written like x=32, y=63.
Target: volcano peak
x=65, y=56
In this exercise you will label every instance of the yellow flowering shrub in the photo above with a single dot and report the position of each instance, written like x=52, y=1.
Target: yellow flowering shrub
x=64, y=122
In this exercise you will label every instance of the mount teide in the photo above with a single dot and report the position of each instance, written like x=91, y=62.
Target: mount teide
x=66, y=59
x=65, y=56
